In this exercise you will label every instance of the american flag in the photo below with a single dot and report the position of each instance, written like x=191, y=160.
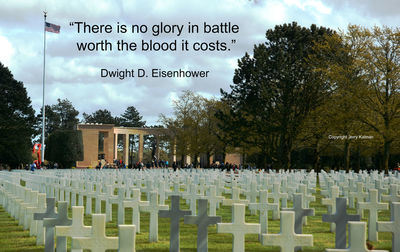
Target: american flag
x=52, y=28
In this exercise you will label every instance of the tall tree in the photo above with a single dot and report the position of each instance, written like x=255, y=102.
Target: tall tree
x=379, y=56
x=181, y=123
x=67, y=113
x=59, y=116
x=52, y=122
x=101, y=116
x=65, y=147
x=132, y=118
x=337, y=115
x=17, y=120
x=194, y=126
x=371, y=80
x=210, y=134
x=276, y=88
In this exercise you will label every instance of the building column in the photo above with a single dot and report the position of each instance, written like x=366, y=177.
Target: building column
x=157, y=147
x=141, y=142
x=188, y=160
x=174, y=151
x=126, y=148
x=115, y=146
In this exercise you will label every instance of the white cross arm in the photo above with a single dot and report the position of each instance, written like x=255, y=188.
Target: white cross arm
x=248, y=228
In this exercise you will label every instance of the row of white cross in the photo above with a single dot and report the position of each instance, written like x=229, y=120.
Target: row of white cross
x=129, y=196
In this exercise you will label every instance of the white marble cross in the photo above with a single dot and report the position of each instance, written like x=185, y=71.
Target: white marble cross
x=90, y=194
x=357, y=242
x=149, y=188
x=108, y=194
x=31, y=201
x=251, y=195
x=97, y=198
x=99, y=242
x=192, y=197
x=162, y=192
x=153, y=208
x=263, y=206
x=135, y=203
x=287, y=239
x=373, y=206
x=331, y=203
x=176, y=190
x=40, y=207
x=119, y=201
x=238, y=227
x=277, y=196
x=213, y=199
x=381, y=189
x=77, y=229
x=75, y=191
x=360, y=195
x=202, y=186
x=392, y=226
x=307, y=199
x=235, y=198
x=393, y=196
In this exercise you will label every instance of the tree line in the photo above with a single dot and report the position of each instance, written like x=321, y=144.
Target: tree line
x=306, y=98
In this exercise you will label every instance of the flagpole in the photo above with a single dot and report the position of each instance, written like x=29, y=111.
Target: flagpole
x=44, y=78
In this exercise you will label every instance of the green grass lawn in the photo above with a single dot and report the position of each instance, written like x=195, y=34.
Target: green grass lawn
x=14, y=238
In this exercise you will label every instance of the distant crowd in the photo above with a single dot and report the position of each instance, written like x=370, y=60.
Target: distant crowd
x=120, y=164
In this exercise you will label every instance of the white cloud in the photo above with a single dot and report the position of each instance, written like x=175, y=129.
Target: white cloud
x=273, y=12
x=6, y=51
x=314, y=5
x=75, y=75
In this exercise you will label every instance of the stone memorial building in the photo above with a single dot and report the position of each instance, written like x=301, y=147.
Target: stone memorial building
x=100, y=141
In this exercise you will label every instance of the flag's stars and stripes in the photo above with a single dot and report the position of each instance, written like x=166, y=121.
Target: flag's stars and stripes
x=52, y=27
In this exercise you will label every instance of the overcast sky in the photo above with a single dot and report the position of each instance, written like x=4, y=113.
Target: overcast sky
x=75, y=75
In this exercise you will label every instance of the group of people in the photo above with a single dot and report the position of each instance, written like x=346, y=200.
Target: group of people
x=151, y=164
x=39, y=165
x=227, y=166
x=120, y=164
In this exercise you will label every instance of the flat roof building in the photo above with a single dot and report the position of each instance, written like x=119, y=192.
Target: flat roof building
x=100, y=141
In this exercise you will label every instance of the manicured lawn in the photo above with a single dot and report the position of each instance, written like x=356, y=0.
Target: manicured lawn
x=14, y=238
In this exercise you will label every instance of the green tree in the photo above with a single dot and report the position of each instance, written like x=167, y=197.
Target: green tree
x=65, y=147
x=336, y=115
x=275, y=89
x=380, y=92
x=52, y=122
x=194, y=126
x=315, y=132
x=131, y=118
x=211, y=136
x=62, y=115
x=17, y=120
x=101, y=116
x=67, y=113
x=371, y=79
x=181, y=124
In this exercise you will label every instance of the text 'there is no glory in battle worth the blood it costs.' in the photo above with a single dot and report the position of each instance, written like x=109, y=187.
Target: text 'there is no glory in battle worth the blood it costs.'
x=157, y=30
